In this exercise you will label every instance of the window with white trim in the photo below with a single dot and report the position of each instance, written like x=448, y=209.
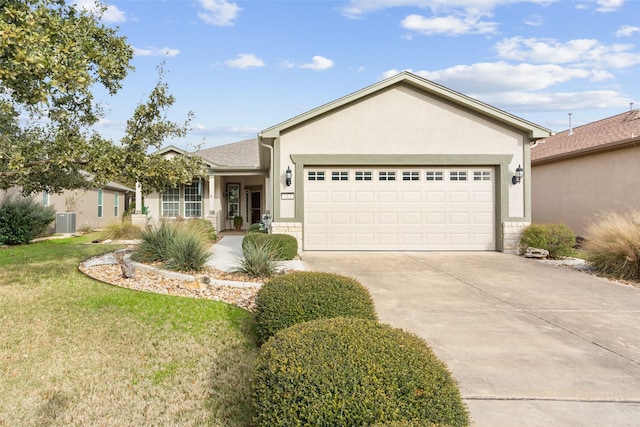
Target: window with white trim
x=482, y=175
x=193, y=200
x=100, y=196
x=315, y=175
x=116, y=204
x=171, y=202
x=386, y=176
x=435, y=176
x=339, y=176
x=411, y=176
x=45, y=198
x=363, y=176
x=457, y=175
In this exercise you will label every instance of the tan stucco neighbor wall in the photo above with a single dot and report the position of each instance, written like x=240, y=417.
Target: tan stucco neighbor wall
x=575, y=191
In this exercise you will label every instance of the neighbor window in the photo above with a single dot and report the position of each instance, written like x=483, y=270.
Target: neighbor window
x=171, y=202
x=99, y=202
x=116, y=204
x=193, y=200
x=45, y=198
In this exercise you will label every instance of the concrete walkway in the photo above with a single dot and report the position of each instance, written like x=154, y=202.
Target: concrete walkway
x=530, y=344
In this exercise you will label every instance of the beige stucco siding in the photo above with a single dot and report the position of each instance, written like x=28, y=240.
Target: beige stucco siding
x=575, y=191
x=402, y=121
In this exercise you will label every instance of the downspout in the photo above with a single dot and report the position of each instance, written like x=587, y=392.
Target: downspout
x=271, y=181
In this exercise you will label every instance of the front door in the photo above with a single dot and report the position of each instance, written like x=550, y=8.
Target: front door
x=256, y=202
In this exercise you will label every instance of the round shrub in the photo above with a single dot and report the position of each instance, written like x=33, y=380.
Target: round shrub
x=254, y=228
x=356, y=372
x=22, y=219
x=303, y=295
x=285, y=246
x=558, y=239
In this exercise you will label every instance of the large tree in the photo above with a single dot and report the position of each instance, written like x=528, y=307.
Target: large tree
x=52, y=55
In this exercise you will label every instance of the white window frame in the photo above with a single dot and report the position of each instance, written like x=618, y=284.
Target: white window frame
x=339, y=175
x=364, y=176
x=458, y=176
x=192, y=196
x=411, y=175
x=171, y=202
x=386, y=176
x=434, y=176
x=315, y=175
x=482, y=175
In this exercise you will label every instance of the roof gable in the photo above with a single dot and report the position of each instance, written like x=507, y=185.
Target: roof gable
x=600, y=135
x=534, y=131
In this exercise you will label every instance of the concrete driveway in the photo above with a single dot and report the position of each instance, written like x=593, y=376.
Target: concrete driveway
x=530, y=344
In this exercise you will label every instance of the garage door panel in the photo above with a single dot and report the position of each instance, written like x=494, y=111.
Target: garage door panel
x=340, y=197
x=434, y=212
x=388, y=197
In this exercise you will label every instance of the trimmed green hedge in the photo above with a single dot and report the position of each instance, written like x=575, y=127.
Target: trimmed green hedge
x=352, y=372
x=285, y=246
x=303, y=295
x=558, y=239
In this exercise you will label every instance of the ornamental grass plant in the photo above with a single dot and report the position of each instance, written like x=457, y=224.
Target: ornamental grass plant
x=613, y=245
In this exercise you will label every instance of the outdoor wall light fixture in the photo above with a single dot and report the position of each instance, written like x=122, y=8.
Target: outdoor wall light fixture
x=517, y=178
x=287, y=176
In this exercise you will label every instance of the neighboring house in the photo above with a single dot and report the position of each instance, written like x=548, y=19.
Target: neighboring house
x=94, y=208
x=404, y=164
x=586, y=171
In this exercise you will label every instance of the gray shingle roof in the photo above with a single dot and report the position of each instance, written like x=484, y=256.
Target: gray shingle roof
x=243, y=154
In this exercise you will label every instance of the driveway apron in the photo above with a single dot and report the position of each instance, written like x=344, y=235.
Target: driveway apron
x=530, y=344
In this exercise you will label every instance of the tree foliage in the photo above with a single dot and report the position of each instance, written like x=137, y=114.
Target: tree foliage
x=52, y=55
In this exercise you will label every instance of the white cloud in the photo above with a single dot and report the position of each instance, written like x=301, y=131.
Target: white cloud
x=451, y=25
x=358, y=8
x=609, y=5
x=523, y=87
x=220, y=13
x=534, y=21
x=582, y=52
x=319, y=63
x=154, y=51
x=492, y=77
x=245, y=60
x=111, y=15
x=627, y=31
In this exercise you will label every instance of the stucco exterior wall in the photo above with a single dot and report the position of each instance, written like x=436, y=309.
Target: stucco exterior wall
x=402, y=121
x=575, y=191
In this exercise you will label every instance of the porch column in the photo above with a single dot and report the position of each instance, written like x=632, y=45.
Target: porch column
x=138, y=218
x=214, y=203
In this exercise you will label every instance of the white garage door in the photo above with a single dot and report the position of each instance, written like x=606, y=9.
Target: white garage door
x=399, y=209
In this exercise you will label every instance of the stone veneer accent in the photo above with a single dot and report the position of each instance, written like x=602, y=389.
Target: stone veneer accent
x=511, y=232
x=292, y=228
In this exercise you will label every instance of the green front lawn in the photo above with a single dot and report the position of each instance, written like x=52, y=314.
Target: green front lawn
x=77, y=352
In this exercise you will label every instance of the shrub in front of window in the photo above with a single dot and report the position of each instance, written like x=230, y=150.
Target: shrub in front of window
x=558, y=239
x=22, y=219
x=284, y=245
x=352, y=372
x=613, y=245
x=303, y=295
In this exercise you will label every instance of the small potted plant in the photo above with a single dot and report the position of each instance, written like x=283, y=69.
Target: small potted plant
x=237, y=222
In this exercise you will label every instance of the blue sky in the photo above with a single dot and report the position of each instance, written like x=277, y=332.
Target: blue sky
x=243, y=66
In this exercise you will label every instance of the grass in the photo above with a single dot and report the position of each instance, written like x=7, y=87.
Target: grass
x=76, y=352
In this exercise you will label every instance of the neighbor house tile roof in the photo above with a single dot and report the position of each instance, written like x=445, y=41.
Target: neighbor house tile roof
x=243, y=154
x=599, y=135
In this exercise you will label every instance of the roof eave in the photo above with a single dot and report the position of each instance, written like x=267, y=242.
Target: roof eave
x=590, y=150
